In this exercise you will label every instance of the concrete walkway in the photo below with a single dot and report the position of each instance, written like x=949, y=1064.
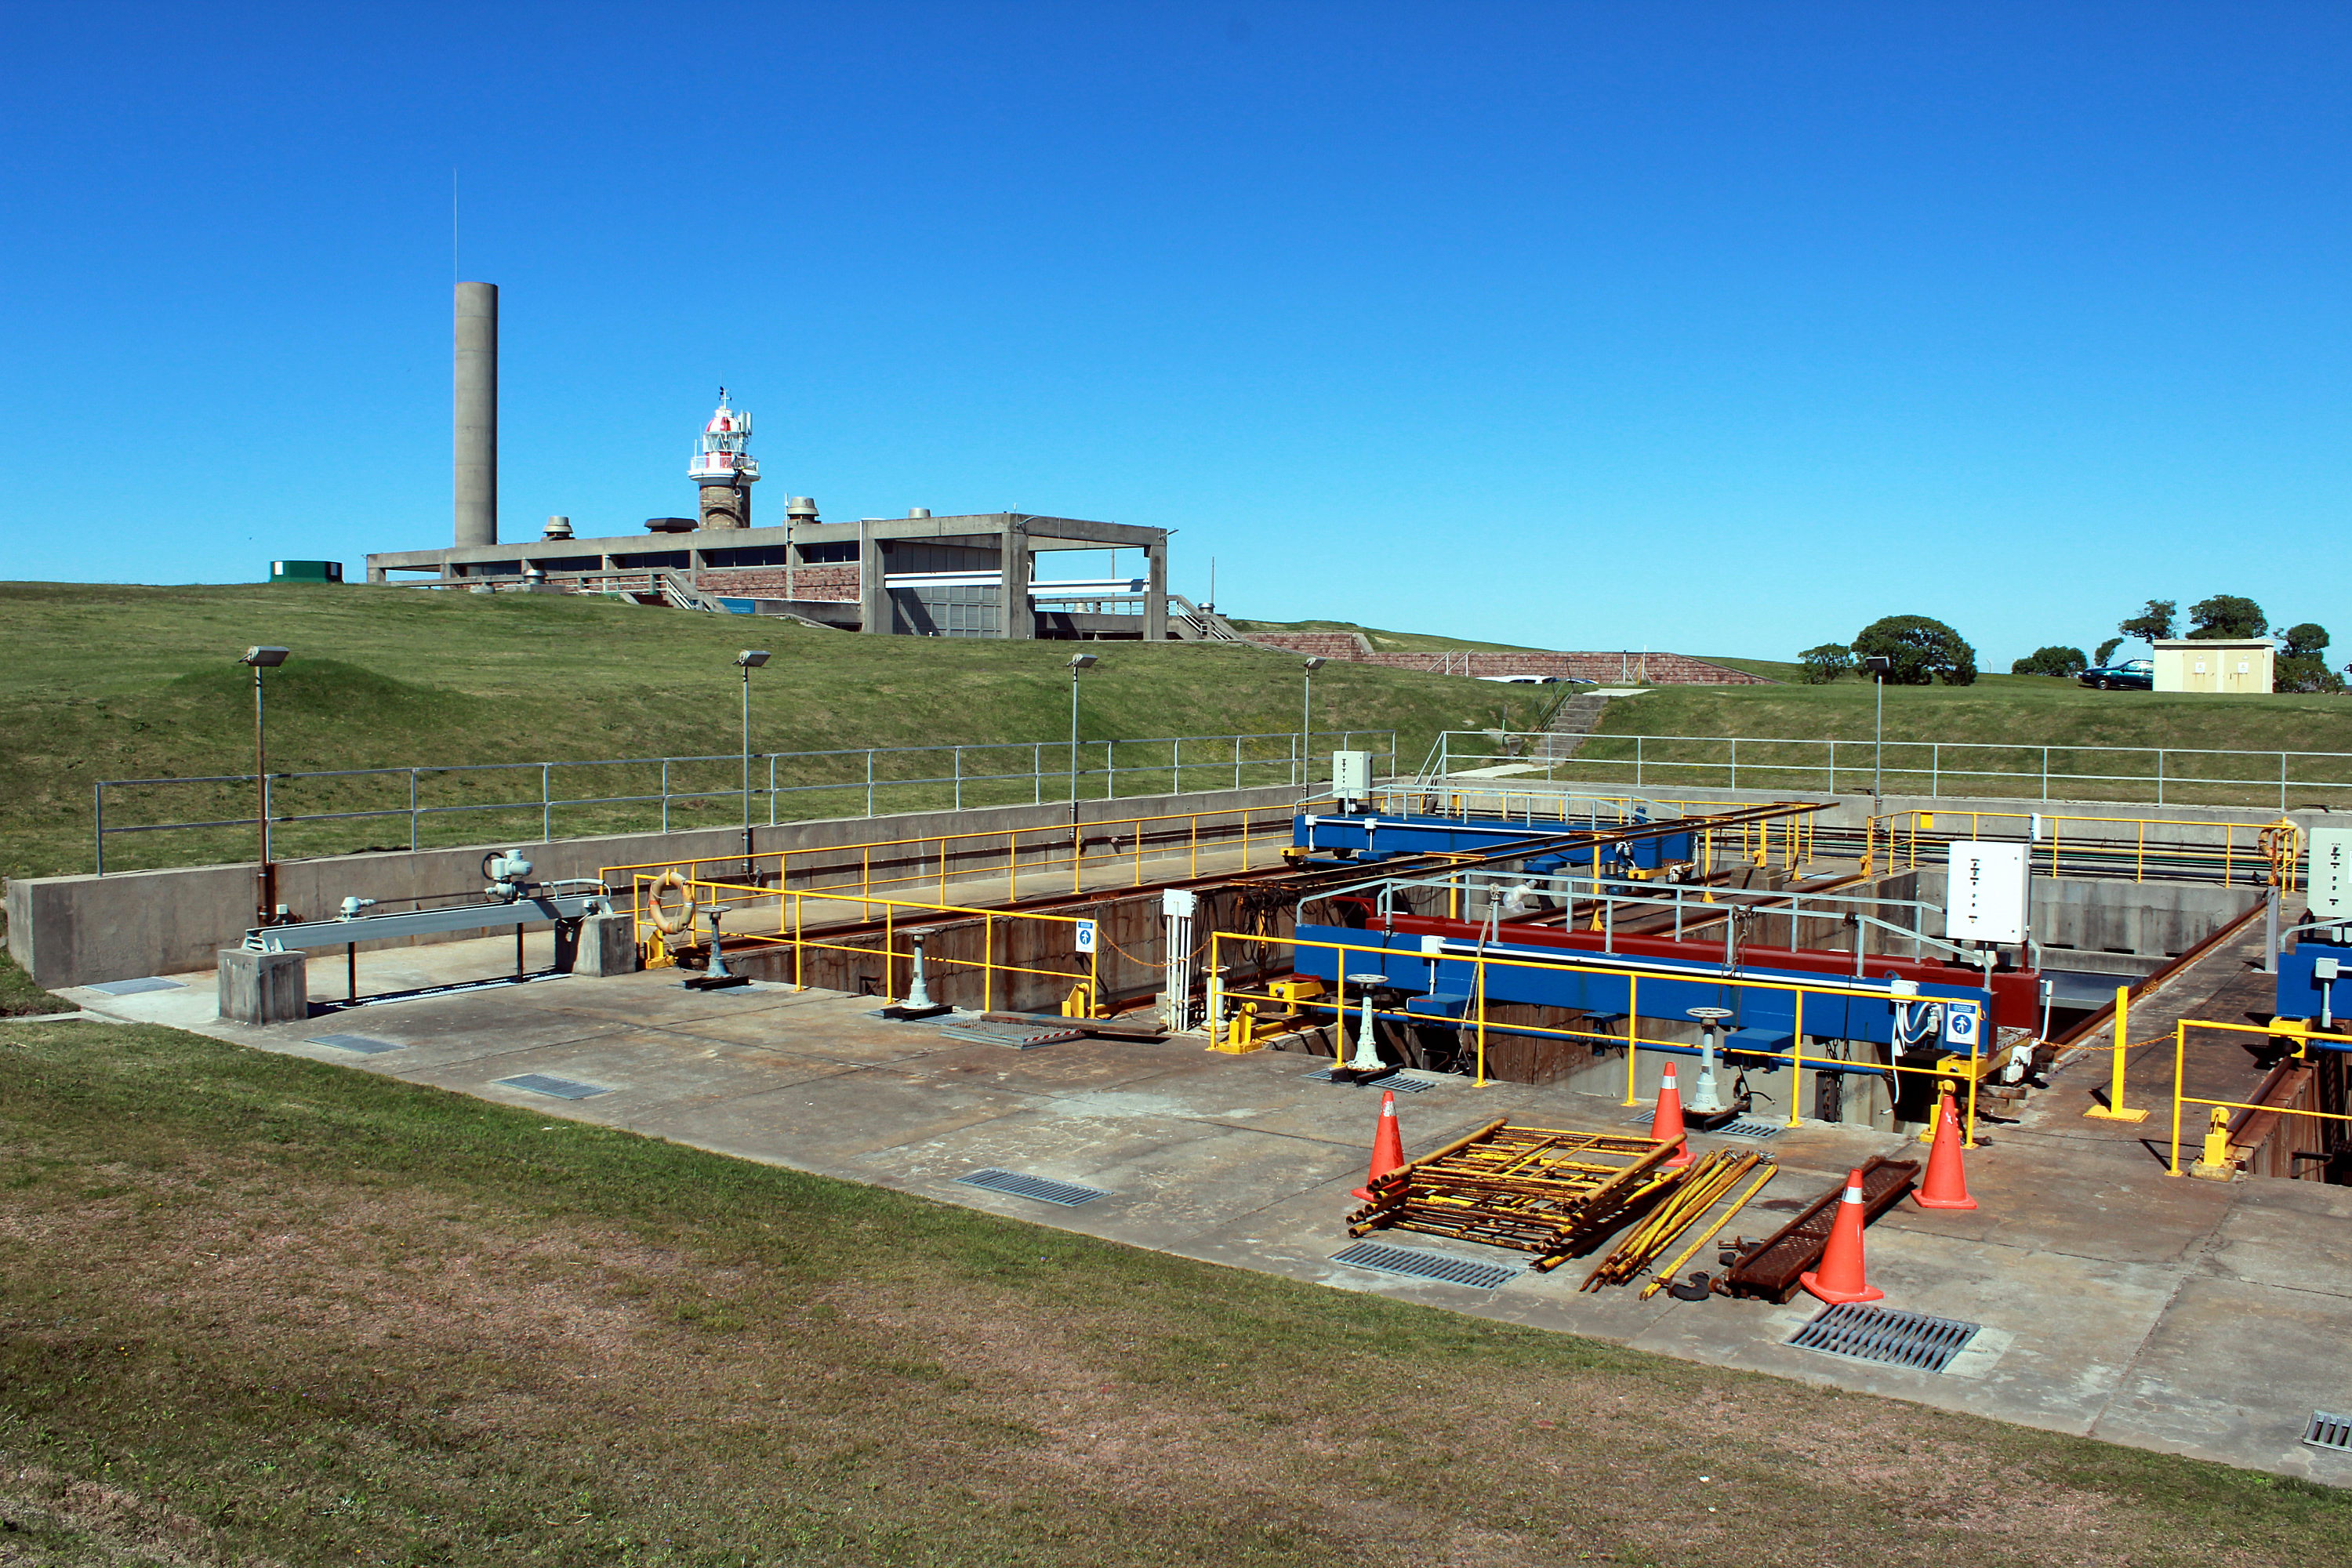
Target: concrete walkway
x=2199, y=1318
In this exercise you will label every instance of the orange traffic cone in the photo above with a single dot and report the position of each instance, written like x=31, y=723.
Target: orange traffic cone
x=1667, y=1124
x=1947, y=1183
x=1839, y=1278
x=1388, y=1145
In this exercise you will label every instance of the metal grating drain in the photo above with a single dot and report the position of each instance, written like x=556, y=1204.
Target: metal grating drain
x=357, y=1043
x=134, y=987
x=1420, y=1265
x=1898, y=1339
x=1015, y=1036
x=2330, y=1431
x=1395, y=1080
x=559, y=1087
x=1044, y=1189
x=1739, y=1127
x=1747, y=1127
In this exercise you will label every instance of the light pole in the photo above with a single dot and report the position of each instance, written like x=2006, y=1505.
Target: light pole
x=265, y=874
x=1077, y=662
x=1307, y=722
x=1878, y=664
x=749, y=660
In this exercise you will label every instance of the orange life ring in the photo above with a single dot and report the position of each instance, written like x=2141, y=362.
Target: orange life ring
x=664, y=921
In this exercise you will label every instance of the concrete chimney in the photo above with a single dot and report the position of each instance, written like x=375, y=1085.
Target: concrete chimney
x=478, y=414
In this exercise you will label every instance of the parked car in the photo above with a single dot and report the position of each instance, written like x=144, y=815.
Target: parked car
x=2131, y=675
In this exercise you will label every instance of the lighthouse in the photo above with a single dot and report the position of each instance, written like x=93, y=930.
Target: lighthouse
x=724, y=467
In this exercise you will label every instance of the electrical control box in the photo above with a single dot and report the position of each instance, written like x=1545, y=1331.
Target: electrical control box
x=1984, y=896
x=2329, y=875
x=1351, y=775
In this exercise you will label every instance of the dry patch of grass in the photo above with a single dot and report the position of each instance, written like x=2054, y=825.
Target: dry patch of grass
x=255, y=1310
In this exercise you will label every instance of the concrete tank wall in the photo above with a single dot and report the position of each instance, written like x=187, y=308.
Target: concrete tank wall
x=80, y=931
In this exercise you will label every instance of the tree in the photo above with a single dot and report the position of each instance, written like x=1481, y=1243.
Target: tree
x=1920, y=650
x=1825, y=663
x=2153, y=622
x=2306, y=638
x=2227, y=616
x=2106, y=650
x=2304, y=672
x=2053, y=661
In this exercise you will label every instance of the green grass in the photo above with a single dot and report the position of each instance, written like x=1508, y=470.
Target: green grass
x=2005, y=718
x=138, y=682
x=262, y=1309
x=20, y=998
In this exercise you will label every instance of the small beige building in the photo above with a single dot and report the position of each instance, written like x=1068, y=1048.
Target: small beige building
x=2223, y=664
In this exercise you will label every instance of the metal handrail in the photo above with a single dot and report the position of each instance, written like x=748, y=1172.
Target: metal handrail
x=1230, y=761
x=897, y=915
x=2276, y=848
x=1233, y=827
x=1447, y=756
x=1476, y=1020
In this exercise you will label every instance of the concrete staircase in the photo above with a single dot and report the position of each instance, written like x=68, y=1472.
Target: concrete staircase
x=1570, y=723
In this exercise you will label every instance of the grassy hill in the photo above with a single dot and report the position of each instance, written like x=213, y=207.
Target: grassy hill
x=115, y=682
x=1999, y=724
x=1385, y=642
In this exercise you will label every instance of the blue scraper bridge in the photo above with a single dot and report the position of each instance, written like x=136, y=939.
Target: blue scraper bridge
x=1604, y=929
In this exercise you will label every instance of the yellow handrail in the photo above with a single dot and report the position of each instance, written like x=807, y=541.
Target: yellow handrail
x=2302, y=1033
x=2275, y=844
x=792, y=931
x=1049, y=846
x=1588, y=963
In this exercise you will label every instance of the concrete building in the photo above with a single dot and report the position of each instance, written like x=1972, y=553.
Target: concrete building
x=2232, y=665
x=912, y=576
x=918, y=575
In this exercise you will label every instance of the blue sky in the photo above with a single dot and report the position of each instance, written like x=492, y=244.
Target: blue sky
x=1718, y=328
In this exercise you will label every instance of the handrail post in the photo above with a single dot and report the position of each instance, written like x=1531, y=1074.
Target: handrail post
x=98, y=822
x=412, y=811
x=1797, y=1044
x=1480, y=961
x=1632, y=1031
x=2180, y=1051
x=546, y=805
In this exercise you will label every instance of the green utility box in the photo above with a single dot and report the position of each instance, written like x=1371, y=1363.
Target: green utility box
x=306, y=571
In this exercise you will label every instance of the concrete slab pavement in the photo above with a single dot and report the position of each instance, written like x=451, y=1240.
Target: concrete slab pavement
x=2117, y=1301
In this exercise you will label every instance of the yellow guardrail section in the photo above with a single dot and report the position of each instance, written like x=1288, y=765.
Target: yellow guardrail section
x=1892, y=843
x=2217, y=1137
x=1474, y=1017
x=1793, y=836
x=1030, y=858
x=897, y=915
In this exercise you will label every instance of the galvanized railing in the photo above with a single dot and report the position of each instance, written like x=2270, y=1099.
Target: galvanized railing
x=2188, y=776
x=480, y=801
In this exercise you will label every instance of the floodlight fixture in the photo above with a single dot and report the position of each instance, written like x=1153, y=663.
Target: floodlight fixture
x=264, y=656
x=1313, y=665
x=752, y=657
x=1082, y=661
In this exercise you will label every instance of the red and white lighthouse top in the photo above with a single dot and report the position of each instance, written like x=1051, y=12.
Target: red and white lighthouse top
x=722, y=457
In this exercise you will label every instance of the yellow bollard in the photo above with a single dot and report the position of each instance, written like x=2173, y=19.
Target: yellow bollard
x=2217, y=1165
x=2114, y=1111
